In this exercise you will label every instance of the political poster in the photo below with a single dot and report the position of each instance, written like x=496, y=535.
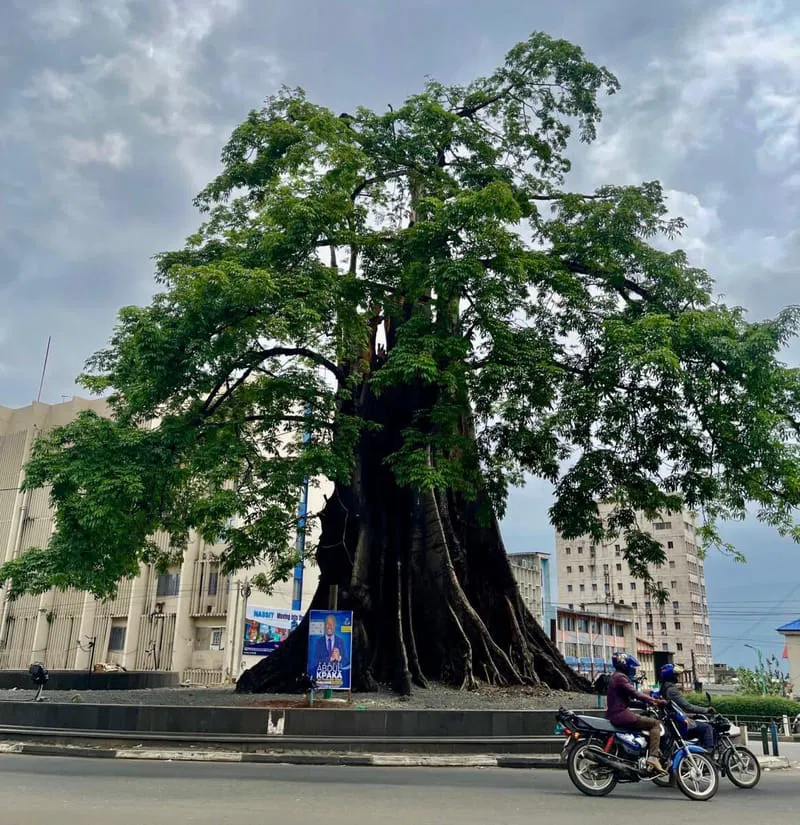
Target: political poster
x=330, y=648
x=266, y=627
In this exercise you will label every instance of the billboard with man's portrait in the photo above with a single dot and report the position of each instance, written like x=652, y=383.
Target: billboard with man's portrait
x=330, y=648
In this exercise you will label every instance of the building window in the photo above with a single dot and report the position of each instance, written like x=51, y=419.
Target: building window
x=663, y=625
x=571, y=649
x=670, y=544
x=649, y=625
x=580, y=568
x=662, y=525
x=569, y=568
x=582, y=588
x=634, y=604
x=637, y=625
x=213, y=583
x=677, y=625
x=633, y=585
x=619, y=585
x=676, y=605
x=619, y=568
x=116, y=640
x=216, y=637
x=619, y=630
x=580, y=551
x=583, y=625
x=616, y=549
x=672, y=565
x=168, y=584
x=665, y=646
x=594, y=588
x=569, y=588
x=568, y=551
x=679, y=646
x=673, y=584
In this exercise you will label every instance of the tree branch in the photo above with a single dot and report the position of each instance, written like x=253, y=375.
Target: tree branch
x=212, y=402
x=399, y=173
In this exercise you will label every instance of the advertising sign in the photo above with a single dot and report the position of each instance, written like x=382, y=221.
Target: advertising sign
x=330, y=648
x=266, y=627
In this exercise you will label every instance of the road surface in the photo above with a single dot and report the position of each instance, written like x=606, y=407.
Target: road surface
x=36, y=790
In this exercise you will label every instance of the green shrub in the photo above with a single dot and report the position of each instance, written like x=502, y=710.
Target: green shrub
x=769, y=707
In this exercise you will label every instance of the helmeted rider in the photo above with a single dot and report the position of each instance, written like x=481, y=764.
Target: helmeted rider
x=621, y=694
x=669, y=678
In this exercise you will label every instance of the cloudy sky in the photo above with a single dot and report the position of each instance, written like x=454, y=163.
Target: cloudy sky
x=112, y=114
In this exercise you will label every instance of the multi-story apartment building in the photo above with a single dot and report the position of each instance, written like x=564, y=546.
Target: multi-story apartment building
x=532, y=574
x=190, y=620
x=588, y=635
x=589, y=572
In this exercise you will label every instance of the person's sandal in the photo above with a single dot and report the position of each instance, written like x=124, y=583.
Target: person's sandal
x=655, y=763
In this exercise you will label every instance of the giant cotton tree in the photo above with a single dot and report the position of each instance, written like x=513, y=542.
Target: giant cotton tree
x=419, y=292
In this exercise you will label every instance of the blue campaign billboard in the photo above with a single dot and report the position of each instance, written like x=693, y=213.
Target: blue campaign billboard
x=330, y=648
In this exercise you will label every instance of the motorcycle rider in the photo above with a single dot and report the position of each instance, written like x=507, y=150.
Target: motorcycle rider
x=669, y=678
x=621, y=695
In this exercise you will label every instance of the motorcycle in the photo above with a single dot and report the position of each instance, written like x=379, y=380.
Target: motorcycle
x=736, y=762
x=599, y=755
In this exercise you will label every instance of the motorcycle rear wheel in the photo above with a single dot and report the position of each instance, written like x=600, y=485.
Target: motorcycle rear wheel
x=588, y=777
x=734, y=766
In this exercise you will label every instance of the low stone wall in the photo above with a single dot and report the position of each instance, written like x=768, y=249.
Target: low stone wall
x=345, y=723
x=84, y=680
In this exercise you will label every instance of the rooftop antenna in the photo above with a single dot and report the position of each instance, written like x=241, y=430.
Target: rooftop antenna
x=44, y=367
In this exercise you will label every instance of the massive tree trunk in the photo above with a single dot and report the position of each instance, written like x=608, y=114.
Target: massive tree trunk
x=427, y=579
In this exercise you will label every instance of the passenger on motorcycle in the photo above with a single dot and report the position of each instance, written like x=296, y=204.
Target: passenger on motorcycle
x=669, y=677
x=621, y=694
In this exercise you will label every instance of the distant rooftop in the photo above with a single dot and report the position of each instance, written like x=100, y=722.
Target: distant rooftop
x=792, y=627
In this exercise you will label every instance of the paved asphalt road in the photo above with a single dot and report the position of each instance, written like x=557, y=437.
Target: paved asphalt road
x=39, y=790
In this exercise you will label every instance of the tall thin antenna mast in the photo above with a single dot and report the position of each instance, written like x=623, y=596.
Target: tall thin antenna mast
x=44, y=367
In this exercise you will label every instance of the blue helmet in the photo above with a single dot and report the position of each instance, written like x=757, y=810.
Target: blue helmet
x=625, y=663
x=669, y=673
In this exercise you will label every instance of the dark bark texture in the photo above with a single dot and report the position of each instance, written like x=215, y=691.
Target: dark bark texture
x=427, y=579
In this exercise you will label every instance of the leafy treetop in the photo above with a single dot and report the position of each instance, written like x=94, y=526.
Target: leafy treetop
x=576, y=348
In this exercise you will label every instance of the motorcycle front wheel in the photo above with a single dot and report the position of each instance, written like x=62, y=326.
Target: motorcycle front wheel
x=587, y=776
x=697, y=777
x=742, y=768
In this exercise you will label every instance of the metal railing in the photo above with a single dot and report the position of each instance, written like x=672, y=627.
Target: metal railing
x=203, y=676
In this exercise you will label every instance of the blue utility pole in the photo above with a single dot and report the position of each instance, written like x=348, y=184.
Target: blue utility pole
x=300, y=541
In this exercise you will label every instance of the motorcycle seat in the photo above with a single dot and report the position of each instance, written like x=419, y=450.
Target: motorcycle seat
x=598, y=723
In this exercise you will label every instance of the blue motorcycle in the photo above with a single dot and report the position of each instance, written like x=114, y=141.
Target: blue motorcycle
x=599, y=755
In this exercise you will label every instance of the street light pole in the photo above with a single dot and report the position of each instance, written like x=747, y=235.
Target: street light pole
x=761, y=676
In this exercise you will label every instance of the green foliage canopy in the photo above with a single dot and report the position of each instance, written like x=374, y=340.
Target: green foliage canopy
x=555, y=321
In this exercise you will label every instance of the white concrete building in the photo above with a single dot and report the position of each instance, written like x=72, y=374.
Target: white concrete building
x=791, y=636
x=190, y=620
x=589, y=572
x=532, y=573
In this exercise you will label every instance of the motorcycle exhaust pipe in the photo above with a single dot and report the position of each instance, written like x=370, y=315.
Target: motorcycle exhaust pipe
x=607, y=761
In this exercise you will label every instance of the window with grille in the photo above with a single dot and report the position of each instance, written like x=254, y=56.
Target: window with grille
x=169, y=584
x=116, y=640
x=213, y=582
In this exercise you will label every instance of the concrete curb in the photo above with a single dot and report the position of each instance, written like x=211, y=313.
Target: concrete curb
x=379, y=760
